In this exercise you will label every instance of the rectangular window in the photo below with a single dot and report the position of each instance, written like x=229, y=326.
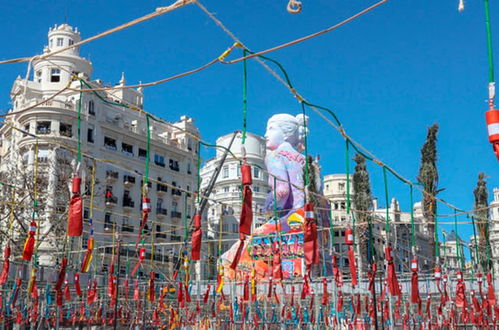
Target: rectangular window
x=174, y=165
x=43, y=127
x=226, y=189
x=127, y=149
x=60, y=42
x=341, y=186
x=55, y=75
x=256, y=189
x=126, y=225
x=109, y=143
x=256, y=172
x=159, y=160
x=161, y=187
x=86, y=213
x=90, y=135
x=225, y=172
x=65, y=130
x=107, y=221
x=91, y=108
x=142, y=153
x=71, y=42
x=189, y=168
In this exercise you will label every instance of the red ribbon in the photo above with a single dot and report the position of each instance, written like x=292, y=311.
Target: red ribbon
x=77, y=284
x=75, y=220
x=136, y=292
x=67, y=290
x=490, y=294
x=180, y=294
x=276, y=261
x=337, y=272
x=311, y=247
x=415, y=298
x=305, y=291
x=325, y=294
x=62, y=274
x=340, y=301
x=29, y=245
x=460, y=294
x=239, y=252
x=152, y=291
x=351, y=263
x=197, y=235
x=6, y=265
x=142, y=255
x=92, y=292
x=246, y=217
x=393, y=285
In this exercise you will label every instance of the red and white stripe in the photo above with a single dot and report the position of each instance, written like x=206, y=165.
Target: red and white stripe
x=146, y=205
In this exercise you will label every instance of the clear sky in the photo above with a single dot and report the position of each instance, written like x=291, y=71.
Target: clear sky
x=387, y=75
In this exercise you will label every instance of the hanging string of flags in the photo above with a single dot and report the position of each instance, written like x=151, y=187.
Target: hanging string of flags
x=325, y=298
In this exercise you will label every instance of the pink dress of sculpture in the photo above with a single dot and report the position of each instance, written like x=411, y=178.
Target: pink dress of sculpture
x=285, y=162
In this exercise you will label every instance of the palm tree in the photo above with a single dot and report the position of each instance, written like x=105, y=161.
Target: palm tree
x=482, y=217
x=362, y=203
x=428, y=177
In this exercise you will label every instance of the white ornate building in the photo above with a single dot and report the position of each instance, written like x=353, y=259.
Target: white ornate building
x=108, y=131
x=224, y=216
x=494, y=229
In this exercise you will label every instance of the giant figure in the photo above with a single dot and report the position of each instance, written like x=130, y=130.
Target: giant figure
x=284, y=161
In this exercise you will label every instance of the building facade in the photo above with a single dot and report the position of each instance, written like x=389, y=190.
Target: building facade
x=110, y=130
x=452, y=251
x=494, y=229
x=222, y=217
x=335, y=190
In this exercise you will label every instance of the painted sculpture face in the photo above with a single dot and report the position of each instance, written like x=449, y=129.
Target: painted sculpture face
x=274, y=135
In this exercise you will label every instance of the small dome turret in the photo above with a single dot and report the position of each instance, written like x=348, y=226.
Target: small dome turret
x=64, y=35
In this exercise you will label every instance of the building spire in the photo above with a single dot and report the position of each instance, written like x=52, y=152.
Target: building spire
x=122, y=80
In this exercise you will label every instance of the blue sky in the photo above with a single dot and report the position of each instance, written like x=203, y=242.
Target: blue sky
x=387, y=75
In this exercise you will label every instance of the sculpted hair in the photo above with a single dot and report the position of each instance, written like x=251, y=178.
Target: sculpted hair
x=293, y=128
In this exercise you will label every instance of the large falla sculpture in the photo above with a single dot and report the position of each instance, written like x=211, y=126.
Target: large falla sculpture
x=276, y=248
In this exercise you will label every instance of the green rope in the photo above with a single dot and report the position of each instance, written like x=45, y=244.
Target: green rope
x=79, y=123
x=477, y=256
x=387, y=223
x=148, y=150
x=331, y=227
x=413, y=226
x=186, y=232
x=445, y=252
x=459, y=254
x=198, y=175
x=245, y=97
x=275, y=199
x=437, y=244
x=347, y=165
x=305, y=146
x=489, y=42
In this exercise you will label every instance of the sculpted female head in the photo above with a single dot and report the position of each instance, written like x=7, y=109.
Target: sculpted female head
x=285, y=128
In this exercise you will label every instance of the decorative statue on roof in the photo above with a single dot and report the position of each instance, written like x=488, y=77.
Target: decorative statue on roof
x=285, y=141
